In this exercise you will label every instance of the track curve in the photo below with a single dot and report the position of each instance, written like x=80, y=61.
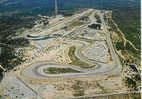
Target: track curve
x=36, y=69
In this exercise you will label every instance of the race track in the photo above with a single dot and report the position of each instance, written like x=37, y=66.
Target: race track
x=36, y=70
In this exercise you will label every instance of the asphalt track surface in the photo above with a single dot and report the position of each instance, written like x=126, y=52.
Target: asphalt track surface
x=36, y=69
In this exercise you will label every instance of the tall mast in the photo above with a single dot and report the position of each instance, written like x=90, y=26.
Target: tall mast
x=56, y=7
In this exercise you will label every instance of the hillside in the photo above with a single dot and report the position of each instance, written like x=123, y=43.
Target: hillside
x=128, y=20
x=34, y=7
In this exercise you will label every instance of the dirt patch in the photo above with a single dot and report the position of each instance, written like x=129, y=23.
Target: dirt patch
x=87, y=86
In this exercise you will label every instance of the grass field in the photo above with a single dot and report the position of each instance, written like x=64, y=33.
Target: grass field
x=55, y=70
x=75, y=60
x=83, y=39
